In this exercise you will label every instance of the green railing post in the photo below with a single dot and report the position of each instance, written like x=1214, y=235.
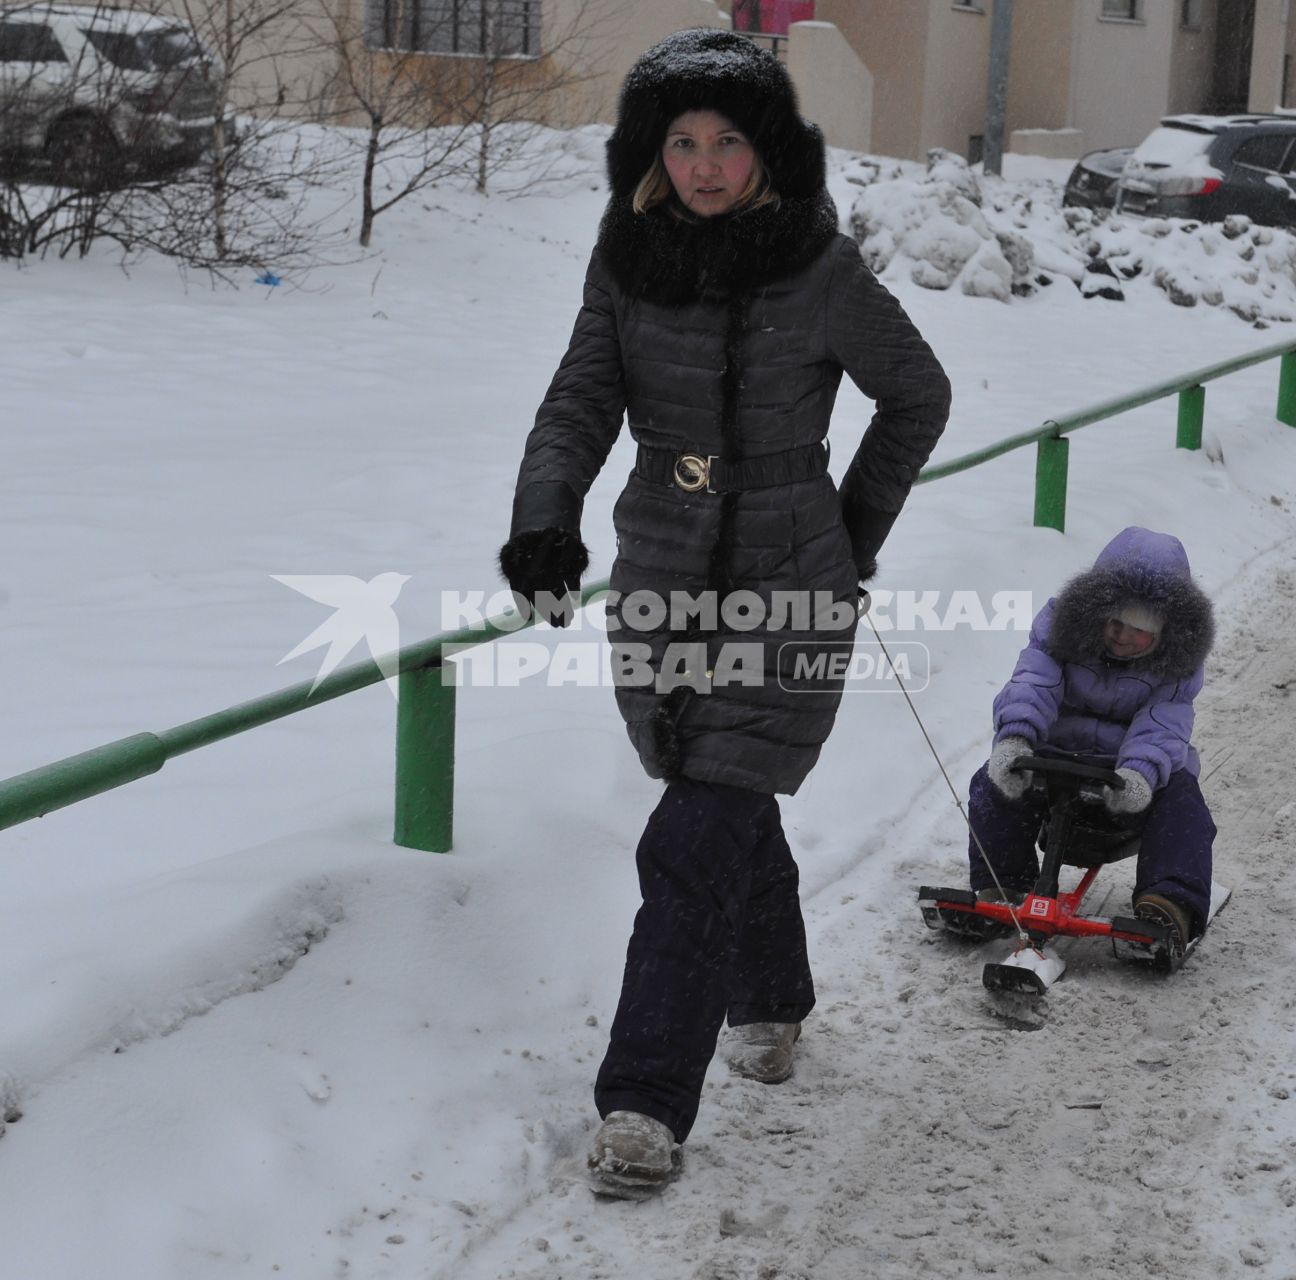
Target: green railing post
x=1287, y=389
x=1051, y=483
x=425, y=733
x=1192, y=411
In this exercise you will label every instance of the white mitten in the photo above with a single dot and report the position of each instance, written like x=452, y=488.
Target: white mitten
x=1136, y=796
x=1010, y=785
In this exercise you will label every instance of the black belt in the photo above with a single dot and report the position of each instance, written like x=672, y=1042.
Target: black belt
x=694, y=472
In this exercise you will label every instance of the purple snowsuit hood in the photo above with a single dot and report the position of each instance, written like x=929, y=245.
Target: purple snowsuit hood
x=1151, y=568
x=1066, y=692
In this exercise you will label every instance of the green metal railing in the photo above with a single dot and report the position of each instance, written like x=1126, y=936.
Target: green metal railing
x=1053, y=447
x=425, y=717
x=425, y=721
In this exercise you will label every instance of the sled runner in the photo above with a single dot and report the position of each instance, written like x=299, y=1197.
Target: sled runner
x=1076, y=834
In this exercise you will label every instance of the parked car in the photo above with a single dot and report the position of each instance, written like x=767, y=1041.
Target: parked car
x=1092, y=184
x=1208, y=167
x=96, y=92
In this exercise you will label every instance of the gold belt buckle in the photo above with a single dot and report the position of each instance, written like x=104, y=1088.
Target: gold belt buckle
x=693, y=471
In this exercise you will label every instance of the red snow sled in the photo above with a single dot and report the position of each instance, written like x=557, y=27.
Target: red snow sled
x=1077, y=833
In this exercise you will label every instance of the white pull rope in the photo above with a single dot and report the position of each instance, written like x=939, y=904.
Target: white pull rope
x=1021, y=933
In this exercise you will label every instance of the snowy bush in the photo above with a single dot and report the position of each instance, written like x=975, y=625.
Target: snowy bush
x=934, y=228
x=949, y=227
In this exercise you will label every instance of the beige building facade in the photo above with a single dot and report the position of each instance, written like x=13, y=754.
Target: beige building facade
x=1095, y=73
x=899, y=77
x=834, y=84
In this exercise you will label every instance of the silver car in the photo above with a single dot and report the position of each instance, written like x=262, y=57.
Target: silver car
x=100, y=93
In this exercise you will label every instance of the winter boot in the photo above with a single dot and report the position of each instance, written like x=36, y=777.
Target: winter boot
x=1013, y=897
x=762, y=1050
x=633, y=1156
x=1175, y=918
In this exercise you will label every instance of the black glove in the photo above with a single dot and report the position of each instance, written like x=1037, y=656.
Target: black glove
x=868, y=529
x=544, y=567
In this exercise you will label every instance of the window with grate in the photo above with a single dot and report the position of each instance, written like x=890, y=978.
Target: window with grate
x=1130, y=10
x=482, y=28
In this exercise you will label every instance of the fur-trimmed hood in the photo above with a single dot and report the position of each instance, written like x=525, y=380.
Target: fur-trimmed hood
x=708, y=69
x=658, y=257
x=1152, y=569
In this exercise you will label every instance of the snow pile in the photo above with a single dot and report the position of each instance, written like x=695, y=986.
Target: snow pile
x=935, y=228
x=947, y=227
x=1249, y=269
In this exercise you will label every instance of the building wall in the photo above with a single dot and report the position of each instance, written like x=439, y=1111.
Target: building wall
x=889, y=37
x=1192, y=62
x=283, y=68
x=1289, y=101
x=954, y=76
x=1039, y=64
x=917, y=77
x=1120, y=73
x=613, y=34
x=835, y=88
x=1272, y=20
x=591, y=44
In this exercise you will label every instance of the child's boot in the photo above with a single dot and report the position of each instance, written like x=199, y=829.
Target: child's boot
x=1010, y=897
x=1158, y=909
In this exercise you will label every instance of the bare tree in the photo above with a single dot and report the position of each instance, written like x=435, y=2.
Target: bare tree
x=259, y=48
x=131, y=138
x=447, y=88
x=405, y=138
x=514, y=87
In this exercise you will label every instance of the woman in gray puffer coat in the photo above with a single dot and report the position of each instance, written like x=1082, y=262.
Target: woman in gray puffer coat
x=721, y=309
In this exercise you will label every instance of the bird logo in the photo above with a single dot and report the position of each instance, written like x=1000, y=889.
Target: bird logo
x=361, y=611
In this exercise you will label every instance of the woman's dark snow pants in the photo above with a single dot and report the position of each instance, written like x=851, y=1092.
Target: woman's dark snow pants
x=1174, y=856
x=719, y=932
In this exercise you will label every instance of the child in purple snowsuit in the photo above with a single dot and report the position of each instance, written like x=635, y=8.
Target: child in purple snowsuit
x=1111, y=670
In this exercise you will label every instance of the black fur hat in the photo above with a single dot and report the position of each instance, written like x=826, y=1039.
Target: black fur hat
x=710, y=69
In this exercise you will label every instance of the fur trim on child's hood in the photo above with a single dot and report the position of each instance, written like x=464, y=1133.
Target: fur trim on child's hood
x=1147, y=568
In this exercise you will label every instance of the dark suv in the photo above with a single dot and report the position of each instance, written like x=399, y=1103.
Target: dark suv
x=1092, y=184
x=1208, y=167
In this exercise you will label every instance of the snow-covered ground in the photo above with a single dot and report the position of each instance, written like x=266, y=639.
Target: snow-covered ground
x=249, y=1036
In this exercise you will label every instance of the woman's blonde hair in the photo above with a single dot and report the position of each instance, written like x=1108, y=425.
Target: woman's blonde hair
x=655, y=188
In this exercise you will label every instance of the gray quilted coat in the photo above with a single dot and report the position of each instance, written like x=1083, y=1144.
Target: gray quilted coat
x=729, y=337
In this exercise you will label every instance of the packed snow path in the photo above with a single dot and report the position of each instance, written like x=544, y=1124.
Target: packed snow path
x=1143, y=1129
x=385, y=1111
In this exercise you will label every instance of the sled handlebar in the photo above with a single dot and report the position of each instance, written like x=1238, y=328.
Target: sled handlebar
x=1069, y=769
